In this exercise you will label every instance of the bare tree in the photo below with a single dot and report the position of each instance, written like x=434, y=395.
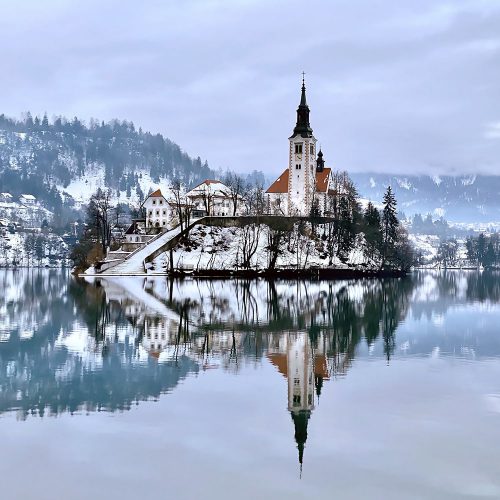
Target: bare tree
x=275, y=242
x=249, y=242
x=236, y=186
x=101, y=217
x=182, y=205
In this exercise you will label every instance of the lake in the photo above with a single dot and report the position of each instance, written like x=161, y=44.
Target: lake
x=139, y=387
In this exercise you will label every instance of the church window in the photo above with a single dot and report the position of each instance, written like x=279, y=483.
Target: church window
x=298, y=166
x=296, y=381
x=311, y=149
x=298, y=148
x=309, y=399
x=296, y=400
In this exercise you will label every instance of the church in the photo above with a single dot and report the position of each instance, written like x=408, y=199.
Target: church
x=306, y=186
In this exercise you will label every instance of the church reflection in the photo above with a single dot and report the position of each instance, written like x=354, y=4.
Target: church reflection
x=106, y=345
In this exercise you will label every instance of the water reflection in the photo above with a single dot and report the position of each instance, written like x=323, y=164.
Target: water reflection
x=72, y=346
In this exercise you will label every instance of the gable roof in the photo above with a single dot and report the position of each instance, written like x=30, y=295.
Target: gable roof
x=322, y=180
x=212, y=186
x=280, y=185
x=156, y=194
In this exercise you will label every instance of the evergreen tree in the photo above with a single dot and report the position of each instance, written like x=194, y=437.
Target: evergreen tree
x=481, y=248
x=372, y=229
x=390, y=224
x=489, y=257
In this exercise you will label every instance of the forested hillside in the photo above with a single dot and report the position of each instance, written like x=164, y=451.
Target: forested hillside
x=61, y=159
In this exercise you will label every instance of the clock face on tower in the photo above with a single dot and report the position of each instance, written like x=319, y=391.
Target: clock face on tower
x=298, y=157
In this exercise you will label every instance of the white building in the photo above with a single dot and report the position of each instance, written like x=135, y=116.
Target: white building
x=158, y=210
x=6, y=198
x=306, y=183
x=213, y=197
x=27, y=199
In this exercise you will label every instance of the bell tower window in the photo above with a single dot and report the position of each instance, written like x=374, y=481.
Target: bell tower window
x=298, y=148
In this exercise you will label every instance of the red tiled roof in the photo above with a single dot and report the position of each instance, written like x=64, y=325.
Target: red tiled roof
x=156, y=194
x=280, y=185
x=280, y=361
x=322, y=180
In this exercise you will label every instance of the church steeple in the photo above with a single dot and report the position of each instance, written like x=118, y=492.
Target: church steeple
x=300, y=420
x=320, y=162
x=302, y=127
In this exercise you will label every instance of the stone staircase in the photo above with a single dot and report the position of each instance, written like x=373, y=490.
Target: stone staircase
x=120, y=263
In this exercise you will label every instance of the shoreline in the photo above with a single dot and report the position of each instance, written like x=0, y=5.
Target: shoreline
x=314, y=274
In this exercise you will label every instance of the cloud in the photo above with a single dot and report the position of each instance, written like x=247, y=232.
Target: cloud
x=492, y=130
x=392, y=85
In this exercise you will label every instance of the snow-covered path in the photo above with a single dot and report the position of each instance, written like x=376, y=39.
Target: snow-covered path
x=134, y=264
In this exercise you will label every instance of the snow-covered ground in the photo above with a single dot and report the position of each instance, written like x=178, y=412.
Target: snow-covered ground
x=15, y=251
x=222, y=248
x=27, y=215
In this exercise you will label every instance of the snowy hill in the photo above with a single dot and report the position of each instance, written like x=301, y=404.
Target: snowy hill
x=64, y=161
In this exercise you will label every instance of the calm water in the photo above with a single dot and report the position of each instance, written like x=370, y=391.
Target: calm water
x=150, y=388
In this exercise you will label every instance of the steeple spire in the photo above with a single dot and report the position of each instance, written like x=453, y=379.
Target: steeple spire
x=300, y=419
x=303, y=128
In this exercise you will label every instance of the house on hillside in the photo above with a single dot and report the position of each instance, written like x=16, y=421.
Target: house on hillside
x=306, y=186
x=6, y=198
x=213, y=197
x=27, y=199
x=135, y=230
x=158, y=210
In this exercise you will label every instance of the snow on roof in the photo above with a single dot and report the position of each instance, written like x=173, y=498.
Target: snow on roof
x=213, y=186
x=6, y=195
x=28, y=197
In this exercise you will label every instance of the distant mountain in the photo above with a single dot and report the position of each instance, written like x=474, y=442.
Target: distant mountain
x=466, y=198
x=65, y=160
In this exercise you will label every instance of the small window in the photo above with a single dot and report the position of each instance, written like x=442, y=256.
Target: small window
x=161, y=202
x=298, y=148
x=150, y=212
x=154, y=202
x=137, y=238
x=157, y=212
x=164, y=222
x=311, y=149
x=164, y=212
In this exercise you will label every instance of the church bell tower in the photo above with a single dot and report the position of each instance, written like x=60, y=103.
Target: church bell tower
x=302, y=161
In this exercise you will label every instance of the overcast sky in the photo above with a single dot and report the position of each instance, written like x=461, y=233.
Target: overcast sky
x=393, y=85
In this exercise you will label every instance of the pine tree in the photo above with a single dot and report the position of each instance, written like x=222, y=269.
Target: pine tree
x=390, y=224
x=489, y=257
x=372, y=229
x=481, y=248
